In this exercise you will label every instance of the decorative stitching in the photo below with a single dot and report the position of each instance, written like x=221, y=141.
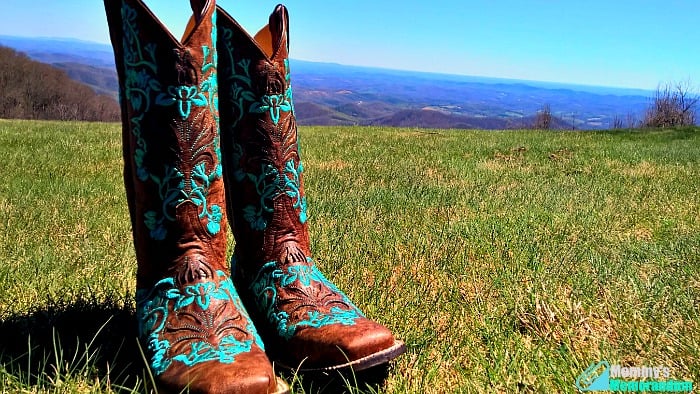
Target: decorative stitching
x=274, y=104
x=301, y=280
x=238, y=78
x=195, y=303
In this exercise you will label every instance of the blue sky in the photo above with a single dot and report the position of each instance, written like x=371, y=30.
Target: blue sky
x=594, y=42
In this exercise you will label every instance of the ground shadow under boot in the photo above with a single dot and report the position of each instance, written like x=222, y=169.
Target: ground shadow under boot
x=370, y=380
x=91, y=337
x=100, y=338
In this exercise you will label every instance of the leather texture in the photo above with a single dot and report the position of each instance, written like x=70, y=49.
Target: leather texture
x=193, y=327
x=304, y=319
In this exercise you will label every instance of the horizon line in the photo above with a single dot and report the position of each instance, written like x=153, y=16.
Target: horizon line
x=512, y=79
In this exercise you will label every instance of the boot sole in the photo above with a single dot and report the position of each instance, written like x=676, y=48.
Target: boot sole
x=282, y=387
x=378, y=358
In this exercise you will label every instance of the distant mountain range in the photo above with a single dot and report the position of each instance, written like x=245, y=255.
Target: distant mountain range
x=88, y=62
x=333, y=94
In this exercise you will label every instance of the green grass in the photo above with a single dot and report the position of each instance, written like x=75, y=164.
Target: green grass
x=506, y=260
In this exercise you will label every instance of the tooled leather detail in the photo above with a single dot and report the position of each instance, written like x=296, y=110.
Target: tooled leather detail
x=185, y=66
x=192, y=269
x=194, y=323
x=268, y=78
x=292, y=294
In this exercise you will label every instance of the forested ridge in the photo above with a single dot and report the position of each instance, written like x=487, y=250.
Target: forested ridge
x=34, y=90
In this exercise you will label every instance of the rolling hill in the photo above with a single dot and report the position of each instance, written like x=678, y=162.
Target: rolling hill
x=30, y=89
x=333, y=94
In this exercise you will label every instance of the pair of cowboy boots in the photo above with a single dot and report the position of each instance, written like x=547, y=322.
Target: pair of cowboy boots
x=203, y=329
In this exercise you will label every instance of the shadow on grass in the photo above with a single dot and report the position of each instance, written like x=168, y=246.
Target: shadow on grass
x=367, y=381
x=96, y=341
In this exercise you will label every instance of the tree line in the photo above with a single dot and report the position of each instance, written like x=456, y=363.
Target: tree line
x=673, y=104
x=34, y=90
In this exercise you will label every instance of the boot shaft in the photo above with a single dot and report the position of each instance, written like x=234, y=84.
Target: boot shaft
x=260, y=142
x=172, y=159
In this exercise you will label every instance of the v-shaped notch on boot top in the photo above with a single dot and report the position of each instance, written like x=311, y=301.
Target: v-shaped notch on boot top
x=201, y=11
x=270, y=42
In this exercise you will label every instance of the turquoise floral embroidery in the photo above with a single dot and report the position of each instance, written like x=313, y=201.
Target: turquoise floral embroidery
x=269, y=184
x=133, y=52
x=237, y=78
x=240, y=96
x=159, y=349
x=290, y=99
x=139, y=155
x=301, y=273
x=225, y=353
x=165, y=301
x=200, y=183
x=266, y=184
x=201, y=293
x=214, y=223
x=210, y=85
x=264, y=288
x=139, y=86
x=154, y=223
x=265, y=291
x=170, y=191
x=288, y=92
x=293, y=187
x=336, y=316
x=184, y=96
x=274, y=104
x=211, y=57
x=236, y=155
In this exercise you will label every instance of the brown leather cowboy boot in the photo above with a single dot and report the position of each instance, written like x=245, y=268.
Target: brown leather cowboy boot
x=304, y=320
x=196, y=333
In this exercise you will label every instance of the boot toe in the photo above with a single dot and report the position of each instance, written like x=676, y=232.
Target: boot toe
x=250, y=373
x=359, y=346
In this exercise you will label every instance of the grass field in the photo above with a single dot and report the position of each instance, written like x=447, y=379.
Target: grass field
x=508, y=261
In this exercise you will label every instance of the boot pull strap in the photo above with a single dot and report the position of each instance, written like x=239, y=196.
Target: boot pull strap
x=279, y=25
x=198, y=7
